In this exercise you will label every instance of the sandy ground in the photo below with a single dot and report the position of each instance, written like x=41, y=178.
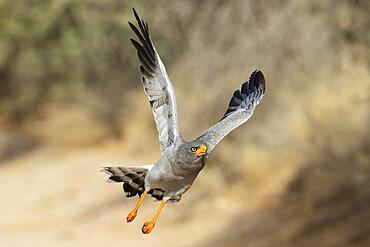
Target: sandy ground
x=58, y=197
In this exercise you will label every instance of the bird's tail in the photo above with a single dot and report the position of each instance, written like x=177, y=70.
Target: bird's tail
x=133, y=178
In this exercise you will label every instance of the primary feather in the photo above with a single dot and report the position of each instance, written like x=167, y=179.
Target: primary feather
x=241, y=108
x=157, y=86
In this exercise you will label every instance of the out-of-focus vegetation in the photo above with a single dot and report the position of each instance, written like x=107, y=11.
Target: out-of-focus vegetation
x=69, y=78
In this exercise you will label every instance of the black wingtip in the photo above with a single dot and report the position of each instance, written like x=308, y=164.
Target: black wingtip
x=258, y=79
x=250, y=93
x=131, y=25
x=135, y=43
x=136, y=15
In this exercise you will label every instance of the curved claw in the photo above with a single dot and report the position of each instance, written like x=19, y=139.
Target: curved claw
x=147, y=227
x=131, y=216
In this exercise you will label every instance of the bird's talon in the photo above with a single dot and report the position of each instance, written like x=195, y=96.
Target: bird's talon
x=147, y=227
x=131, y=216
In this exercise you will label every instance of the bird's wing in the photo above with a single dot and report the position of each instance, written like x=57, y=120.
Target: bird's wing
x=240, y=109
x=157, y=86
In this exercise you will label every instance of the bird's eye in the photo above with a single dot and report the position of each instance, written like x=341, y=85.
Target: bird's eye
x=194, y=149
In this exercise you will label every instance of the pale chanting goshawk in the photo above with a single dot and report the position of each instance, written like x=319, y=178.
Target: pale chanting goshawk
x=180, y=161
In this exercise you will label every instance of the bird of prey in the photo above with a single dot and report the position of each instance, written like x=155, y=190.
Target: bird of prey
x=180, y=161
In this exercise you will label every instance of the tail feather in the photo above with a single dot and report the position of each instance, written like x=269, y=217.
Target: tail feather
x=133, y=178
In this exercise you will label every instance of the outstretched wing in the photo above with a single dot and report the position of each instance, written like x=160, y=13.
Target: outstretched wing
x=240, y=109
x=157, y=85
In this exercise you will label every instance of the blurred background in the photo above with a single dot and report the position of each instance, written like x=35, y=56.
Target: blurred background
x=71, y=101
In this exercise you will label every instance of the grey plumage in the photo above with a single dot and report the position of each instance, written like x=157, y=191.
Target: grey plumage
x=157, y=86
x=241, y=108
x=180, y=161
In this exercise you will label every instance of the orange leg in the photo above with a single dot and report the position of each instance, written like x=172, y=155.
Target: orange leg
x=149, y=225
x=131, y=216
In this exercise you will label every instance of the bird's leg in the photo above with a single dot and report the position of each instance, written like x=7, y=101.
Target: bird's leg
x=149, y=225
x=131, y=216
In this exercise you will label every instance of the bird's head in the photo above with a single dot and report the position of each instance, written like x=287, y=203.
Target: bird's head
x=194, y=151
x=199, y=150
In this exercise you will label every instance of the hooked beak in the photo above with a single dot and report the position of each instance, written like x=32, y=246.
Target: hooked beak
x=202, y=150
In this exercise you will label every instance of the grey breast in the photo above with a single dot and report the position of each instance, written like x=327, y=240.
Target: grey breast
x=173, y=174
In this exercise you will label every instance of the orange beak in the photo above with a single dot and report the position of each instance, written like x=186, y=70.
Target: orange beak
x=202, y=150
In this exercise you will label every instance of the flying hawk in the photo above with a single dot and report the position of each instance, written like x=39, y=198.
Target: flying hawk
x=180, y=161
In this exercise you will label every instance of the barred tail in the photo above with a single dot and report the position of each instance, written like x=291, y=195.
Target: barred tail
x=133, y=178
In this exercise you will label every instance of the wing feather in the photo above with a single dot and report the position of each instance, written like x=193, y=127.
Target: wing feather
x=157, y=85
x=241, y=108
